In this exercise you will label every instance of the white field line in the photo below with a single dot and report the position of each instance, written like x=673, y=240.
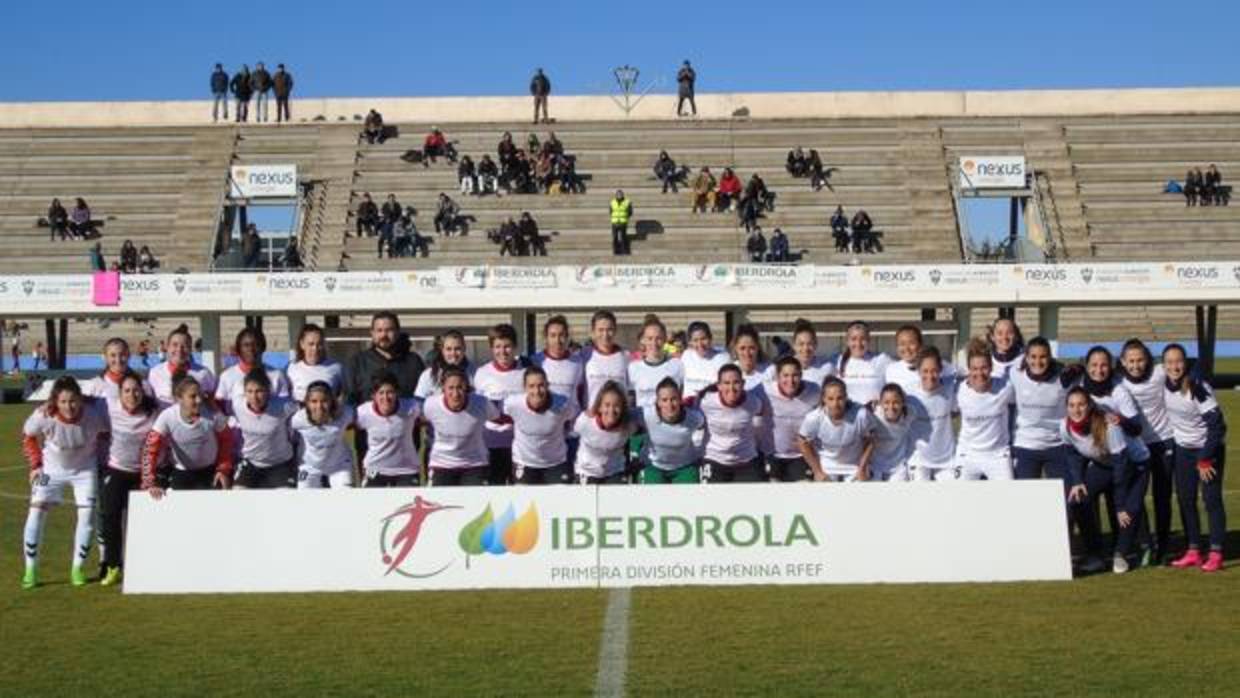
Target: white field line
x=613, y=653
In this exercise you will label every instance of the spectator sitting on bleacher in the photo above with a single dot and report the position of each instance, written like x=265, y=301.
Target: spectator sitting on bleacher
x=552, y=145
x=58, y=219
x=863, y=237
x=509, y=239
x=1216, y=193
x=570, y=181
x=506, y=151
x=755, y=245
x=756, y=189
x=129, y=257
x=81, y=227
x=780, y=248
x=819, y=176
x=1192, y=187
x=544, y=172
x=390, y=212
x=797, y=164
x=242, y=91
x=532, y=146
x=367, y=216
x=839, y=229
x=147, y=264
x=467, y=175
x=703, y=191
x=373, y=129
x=436, y=146
x=729, y=190
x=531, y=241
x=488, y=176
x=666, y=171
x=97, y=263
x=519, y=177
x=408, y=241
x=447, y=215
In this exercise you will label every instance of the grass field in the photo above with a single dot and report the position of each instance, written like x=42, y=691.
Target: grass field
x=1148, y=633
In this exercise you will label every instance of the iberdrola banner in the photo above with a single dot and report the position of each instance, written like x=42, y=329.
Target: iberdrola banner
x=608, y=536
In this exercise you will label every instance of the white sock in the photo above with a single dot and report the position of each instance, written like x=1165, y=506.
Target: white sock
x=82, y=536
x=33, y=535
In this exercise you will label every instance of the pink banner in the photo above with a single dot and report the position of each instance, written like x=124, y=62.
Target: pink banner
x=106, y=288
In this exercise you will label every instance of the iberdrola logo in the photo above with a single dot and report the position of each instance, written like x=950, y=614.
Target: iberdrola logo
x=507, y=534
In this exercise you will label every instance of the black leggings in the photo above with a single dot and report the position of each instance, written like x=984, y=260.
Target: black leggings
x=1187, y=481
x=113, y=503
x=1162, y=477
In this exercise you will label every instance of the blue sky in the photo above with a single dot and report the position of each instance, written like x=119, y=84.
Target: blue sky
x=149, y=50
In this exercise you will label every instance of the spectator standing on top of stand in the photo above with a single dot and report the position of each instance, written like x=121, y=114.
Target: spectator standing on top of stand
x=242, y=91
x=686, y=79
x=260, y=85
x=219, y=92
x=540, y=89
x=282, y=86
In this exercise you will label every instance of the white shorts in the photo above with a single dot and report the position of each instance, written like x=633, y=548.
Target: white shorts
x=993, y=465
x=899, y=473
x=49, y=488
x=310, y=479
x=838, y=472
x=923, y=471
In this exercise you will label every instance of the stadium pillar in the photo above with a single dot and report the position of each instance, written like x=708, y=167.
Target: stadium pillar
x=527, y=333
x=49, y=327
x=733, y=319
x=929, y=314
x=1048, y=325
x=963, y=315
x=1207, y=331
x=295, y=323
x=209, y=328
x=62, y=346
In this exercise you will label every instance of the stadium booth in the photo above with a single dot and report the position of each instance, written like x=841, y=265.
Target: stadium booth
x=570, y=536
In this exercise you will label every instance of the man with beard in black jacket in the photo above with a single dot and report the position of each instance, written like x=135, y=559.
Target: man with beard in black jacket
x=390, y=351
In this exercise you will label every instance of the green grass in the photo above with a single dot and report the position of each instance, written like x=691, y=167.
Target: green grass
x=1151, y=632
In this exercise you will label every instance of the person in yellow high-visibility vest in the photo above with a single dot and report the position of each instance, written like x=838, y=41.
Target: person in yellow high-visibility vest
x=621, y=212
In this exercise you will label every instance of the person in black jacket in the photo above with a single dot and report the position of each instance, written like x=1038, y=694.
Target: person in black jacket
x=509, y=237
x=242, y=90
x=533, y=242
x=390, y=213
x=58, y=220
x=390, y=351
x=282, y=86
x=488, y=176
x=755, y=245
x=219, y=92
x=367, y=216
x=260, y=85
x=540, y=89
x=668, y=173
x=839, y=229
x=686, y=80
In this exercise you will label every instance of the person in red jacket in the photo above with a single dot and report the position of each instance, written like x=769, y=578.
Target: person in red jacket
x=729, y=190
x=436, y=145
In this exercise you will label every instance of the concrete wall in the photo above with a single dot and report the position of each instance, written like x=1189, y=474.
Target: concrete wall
x=657, y=107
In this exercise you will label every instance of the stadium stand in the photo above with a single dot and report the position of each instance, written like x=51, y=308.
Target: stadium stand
x=1098, y=176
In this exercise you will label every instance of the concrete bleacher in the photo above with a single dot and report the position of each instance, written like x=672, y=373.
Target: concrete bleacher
x=876, y=172
x=154, y=186
x=1121, y=165
x=1101, y=161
